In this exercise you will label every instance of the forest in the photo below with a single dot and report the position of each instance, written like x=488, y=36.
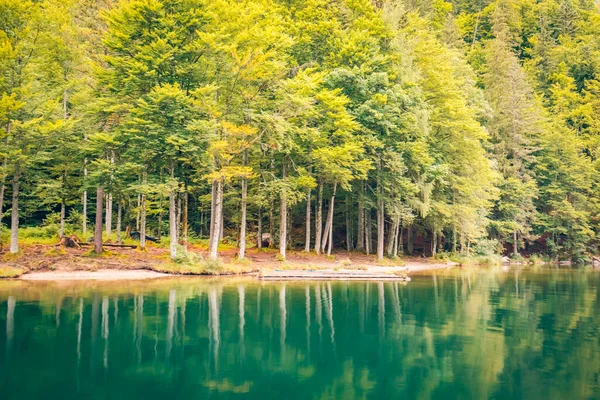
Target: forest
x=388, y=127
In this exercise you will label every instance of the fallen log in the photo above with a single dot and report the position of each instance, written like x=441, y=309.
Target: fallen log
x=129, y=246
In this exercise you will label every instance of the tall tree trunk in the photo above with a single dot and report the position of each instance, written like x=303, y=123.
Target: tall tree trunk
x=213, y=201
x=98, y=228
x=184, y=227
x=216, y=229
x=360, y=231
x=307, y=233
x=397, y=238
x=143, y=215
x=434, y=242
x=172, y=218
x=108, y=215
x=14, y=216
x=392, y=237
x=119, y=220
x=368, y=236
x=400, y=239
x=242, y=250
x=330, y=220
x=319, y=219
x=409, y=240
x=84, y=199
x=515, y=244
x=283, y=215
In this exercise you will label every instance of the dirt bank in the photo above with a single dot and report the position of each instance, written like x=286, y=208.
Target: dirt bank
x=46, y=262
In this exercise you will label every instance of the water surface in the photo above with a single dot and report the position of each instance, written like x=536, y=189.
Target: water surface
x=465, y=334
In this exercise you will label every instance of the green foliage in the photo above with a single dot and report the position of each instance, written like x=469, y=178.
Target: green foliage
x=472, y=122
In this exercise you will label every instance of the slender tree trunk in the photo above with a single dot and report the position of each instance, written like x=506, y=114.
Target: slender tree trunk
x=185, y=223
x=368, y=236
x=283, y=215
x=515, y=244
x=242, y=250
x=397, y=238
x=259, y=230
x=213, y=201
x=98, y=228
x=330, y=220
x=84, y=200
x=172, y=218
x=14, y=216
x=214, y=245
x=380, y=230
x=400, y=240
x=360, y=231
x=119, y=221
x=307, y=233
x=392, y=237
x=143, y=215
x=109, y=203
x=319, y=219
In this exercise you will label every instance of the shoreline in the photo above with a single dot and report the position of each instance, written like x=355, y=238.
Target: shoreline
x=50, y=263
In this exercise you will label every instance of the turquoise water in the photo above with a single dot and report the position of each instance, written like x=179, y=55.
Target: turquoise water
x=465, y=334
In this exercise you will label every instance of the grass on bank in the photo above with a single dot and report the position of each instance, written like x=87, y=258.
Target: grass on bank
x=11, y=272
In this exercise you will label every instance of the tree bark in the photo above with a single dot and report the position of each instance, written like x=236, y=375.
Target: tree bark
x=138, y=213
x=434, y=242
x=330, y=220
x=400, y=239
x=271, y=227
x=515, y=244
x=143, y=216
x=242, y=250
x=108, y=215
x=216, y=222
x=319, y=219
x=14, y=216
x=98, y=228
x=397, y=238
x=119, y=221
x=283, y=215
x=172, y=218
x=368, y=238
x=307, y=233
x=380, y=225
x=213, y=201
x=392, y=237
x=184, y=227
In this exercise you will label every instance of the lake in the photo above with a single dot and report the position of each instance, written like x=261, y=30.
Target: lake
x=461, y=334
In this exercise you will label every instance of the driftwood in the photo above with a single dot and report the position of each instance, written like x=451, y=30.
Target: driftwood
x=69, y=241
x=129, y=246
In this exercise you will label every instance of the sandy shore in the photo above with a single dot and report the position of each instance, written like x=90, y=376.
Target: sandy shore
x=99, y=275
